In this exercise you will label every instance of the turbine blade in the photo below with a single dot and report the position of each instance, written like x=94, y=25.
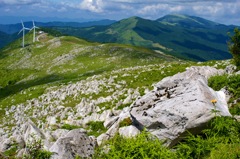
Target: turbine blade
x=20, y=31
x=33, y=23
x=22, y=24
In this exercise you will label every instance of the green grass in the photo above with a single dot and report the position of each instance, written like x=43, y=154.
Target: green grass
x=143, y=146
x=95, y=128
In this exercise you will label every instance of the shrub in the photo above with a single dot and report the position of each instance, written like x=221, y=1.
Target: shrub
x=234, y=47
x=96, y=128
x=143, y=146
x=226, y=151
x=222, y=131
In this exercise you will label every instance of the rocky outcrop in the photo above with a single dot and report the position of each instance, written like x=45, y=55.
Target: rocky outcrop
x=179, y=104
x=75, y=143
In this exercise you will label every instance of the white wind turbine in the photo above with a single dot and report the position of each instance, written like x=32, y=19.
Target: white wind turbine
x=34, y=31
x=23, y=30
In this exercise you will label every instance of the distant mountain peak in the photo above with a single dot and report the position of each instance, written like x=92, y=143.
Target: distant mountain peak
x=186, y=21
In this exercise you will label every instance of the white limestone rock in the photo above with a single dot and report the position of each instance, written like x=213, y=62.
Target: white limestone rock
x=75, y=143
x=179, y=104
x=129, y=131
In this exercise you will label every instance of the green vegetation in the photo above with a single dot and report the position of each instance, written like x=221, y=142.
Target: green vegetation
x=143, y=146
x=36, y=151
x=125, y=122
x=234, y=47
x=95, y=128
x=69, y=127
x=222, y=134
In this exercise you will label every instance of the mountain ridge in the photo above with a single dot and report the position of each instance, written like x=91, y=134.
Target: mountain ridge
x=195, y=39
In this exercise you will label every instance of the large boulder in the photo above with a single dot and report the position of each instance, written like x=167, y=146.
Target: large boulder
x=75, y=143
x=179, y=104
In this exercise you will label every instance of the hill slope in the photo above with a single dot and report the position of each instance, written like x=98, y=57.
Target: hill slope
x=183, y=36
x=64, y=59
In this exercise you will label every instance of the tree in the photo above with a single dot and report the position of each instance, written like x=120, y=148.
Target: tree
x=234, y=47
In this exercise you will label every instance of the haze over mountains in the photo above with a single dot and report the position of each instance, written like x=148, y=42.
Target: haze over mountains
x=183, y=36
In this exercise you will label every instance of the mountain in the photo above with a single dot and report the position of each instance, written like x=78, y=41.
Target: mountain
x=13, y=28
x=187, y=21
x=183, y=36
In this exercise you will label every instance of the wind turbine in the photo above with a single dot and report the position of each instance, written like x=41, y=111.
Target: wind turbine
x=34, y=31
x=23, y=30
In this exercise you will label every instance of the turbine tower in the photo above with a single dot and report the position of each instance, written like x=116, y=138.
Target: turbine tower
x=23, y=30
x=34, y=31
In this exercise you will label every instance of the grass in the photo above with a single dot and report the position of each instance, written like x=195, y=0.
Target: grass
x=220, y=140
x=95, y=128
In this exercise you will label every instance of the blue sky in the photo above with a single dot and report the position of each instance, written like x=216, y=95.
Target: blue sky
x=222, y=11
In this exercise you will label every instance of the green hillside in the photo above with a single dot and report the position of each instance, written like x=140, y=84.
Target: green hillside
x=183, y=36
x=5, y=39
x=54, y=60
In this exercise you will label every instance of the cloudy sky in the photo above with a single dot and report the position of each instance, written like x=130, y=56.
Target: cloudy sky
x=222, y=11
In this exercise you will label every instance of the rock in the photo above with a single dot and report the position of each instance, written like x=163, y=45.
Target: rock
x=31, y=132
x=22, y=152
x=129, y=131
x=230, y=69
x=102, y=138
x=227, y=93
x=237, y=117
x=59, y=133
x=110, y=121
x=179, y=104
x=5, y=145
x=75, y=143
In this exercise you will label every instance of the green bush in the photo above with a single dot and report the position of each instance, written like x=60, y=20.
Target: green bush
x=143, y=146
x=234, y=47
x=226, y=151
x=96, y=128
x=222, y=131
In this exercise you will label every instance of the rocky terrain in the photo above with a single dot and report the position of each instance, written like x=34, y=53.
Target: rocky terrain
x=71, y=117
x=177, y=104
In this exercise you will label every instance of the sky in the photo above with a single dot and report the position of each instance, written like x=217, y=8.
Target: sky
x=221, y=11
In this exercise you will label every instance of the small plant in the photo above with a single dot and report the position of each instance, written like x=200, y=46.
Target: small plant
x=36, y=151
x=215, y=111
x=125, y=122
x=96, y=128
x=70, y=127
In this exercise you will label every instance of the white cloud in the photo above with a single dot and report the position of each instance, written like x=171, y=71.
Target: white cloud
x=92, y=5
x=153, y=9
